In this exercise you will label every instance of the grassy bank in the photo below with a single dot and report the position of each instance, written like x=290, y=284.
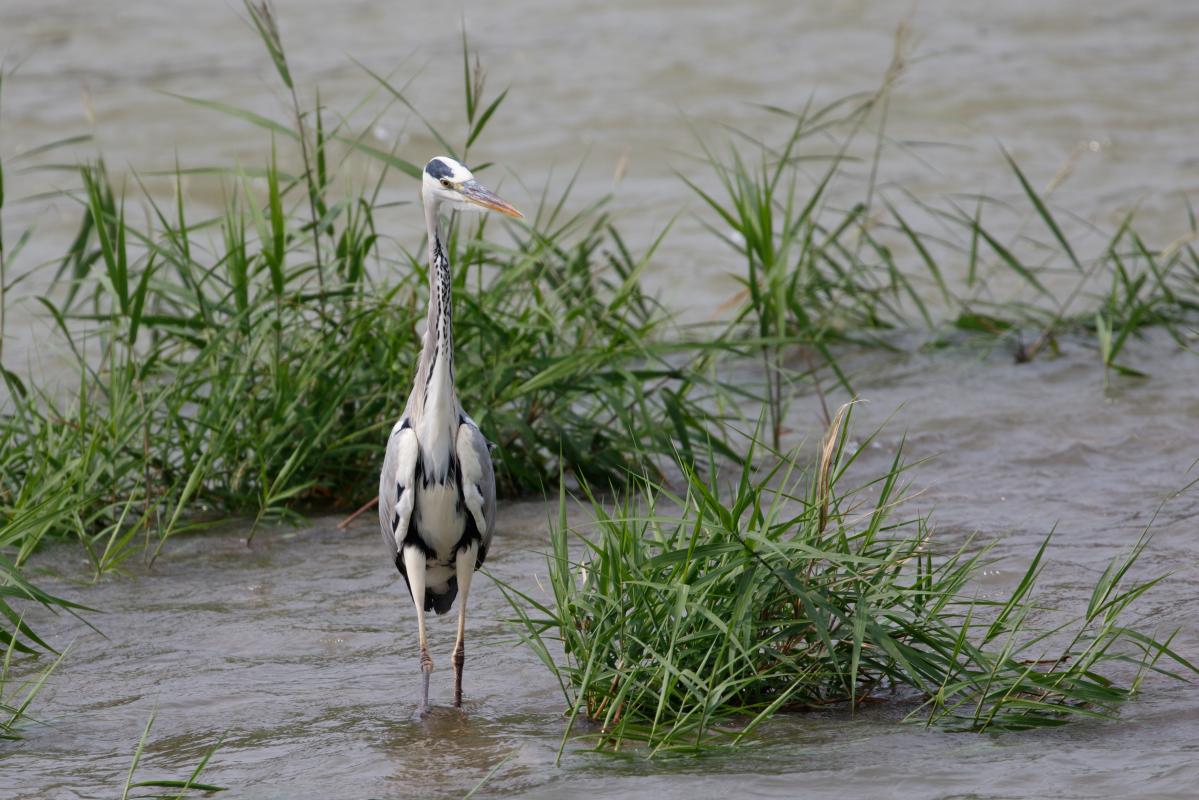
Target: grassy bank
x=249, y=364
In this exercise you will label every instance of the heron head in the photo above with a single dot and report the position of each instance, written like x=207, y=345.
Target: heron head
x=453, y=184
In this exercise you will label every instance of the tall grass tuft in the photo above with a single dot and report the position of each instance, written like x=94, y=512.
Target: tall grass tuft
x=1056, y=287
x=831, y=257
x=817, y=272
x=688, y=619
x=252, y=363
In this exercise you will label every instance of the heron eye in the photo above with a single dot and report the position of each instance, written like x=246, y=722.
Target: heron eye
x=445, y=182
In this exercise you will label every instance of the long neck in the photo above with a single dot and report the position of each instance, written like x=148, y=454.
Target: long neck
x=433, y=396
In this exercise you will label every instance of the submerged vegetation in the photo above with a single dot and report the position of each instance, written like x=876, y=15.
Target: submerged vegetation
x=250, y=364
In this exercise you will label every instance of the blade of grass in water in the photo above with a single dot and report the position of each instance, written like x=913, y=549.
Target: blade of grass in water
x=184, y=786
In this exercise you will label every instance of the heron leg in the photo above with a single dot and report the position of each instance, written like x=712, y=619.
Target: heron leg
x=414, y=568
x=464, y=567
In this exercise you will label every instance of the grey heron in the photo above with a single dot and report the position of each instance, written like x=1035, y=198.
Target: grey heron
x=437, y=487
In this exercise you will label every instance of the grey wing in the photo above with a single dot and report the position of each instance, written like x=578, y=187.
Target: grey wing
x=478, y=481
x=396, y=485
x=387, y=495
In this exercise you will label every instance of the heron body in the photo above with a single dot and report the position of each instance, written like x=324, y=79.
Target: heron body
x=437, y=487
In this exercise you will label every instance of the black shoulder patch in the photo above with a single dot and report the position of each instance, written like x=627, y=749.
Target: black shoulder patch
x=438, y=169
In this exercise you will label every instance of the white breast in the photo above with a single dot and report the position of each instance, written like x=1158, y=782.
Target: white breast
x=441, y=526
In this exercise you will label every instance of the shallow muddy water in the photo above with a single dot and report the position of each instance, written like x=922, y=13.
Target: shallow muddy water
x=300, y=649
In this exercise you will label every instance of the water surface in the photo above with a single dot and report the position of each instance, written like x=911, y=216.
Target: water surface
x=300, y=649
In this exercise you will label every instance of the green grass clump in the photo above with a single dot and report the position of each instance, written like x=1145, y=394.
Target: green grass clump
x=828, y=257
x=814, y=274
x=1112, y=294
x=686, y=627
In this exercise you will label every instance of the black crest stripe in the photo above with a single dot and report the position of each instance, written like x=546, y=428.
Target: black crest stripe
x=439, y=169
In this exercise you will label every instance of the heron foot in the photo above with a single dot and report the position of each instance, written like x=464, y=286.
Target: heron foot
x=426, y=667
x=424, y=694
